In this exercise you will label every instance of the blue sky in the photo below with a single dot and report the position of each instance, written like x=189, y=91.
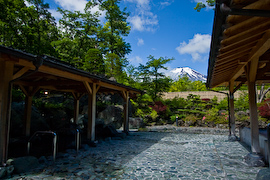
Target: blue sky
x=162, y=28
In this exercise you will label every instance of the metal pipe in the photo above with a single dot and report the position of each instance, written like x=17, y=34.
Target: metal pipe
x=54, y=146
x=77, y=140
x=229, y=111
x=28, y=147
x=44, y=132
x=268, y=143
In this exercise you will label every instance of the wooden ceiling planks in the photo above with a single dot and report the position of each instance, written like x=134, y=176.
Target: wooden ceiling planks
x=244, y=39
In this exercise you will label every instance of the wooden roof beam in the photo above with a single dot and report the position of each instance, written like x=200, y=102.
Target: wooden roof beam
x=238, y=49
x=232, y=57
x=258, y=29
x=87, y=87
x=261, y=4
x=240, y=27
x=262, y=46
x=20, y=72
x=244, y=12
x=253, y=38
x=110, y=86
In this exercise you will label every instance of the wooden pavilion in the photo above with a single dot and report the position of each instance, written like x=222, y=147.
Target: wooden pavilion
x=33, y=73
x=240, y=53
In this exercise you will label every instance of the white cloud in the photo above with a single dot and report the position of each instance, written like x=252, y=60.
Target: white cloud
x=142, y=18
x=140, y=2
x=144, y=22
x=27, y=3
x=72, y=5
x=140, y=42
x=57, y=15
x=166, y=3
x=137, y=23
x=136, y=59
x=203, y=1
x=77, y=5
x=196, y=47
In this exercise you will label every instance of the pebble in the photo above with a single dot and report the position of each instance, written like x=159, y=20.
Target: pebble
x=153, y=155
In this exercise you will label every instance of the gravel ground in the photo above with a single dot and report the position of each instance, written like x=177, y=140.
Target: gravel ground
x=153, y=155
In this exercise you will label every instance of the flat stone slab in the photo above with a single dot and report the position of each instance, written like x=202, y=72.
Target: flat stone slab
x=154, y=155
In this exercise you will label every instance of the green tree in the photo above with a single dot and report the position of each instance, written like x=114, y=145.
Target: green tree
x=43, y=28
x=182, y=84
x=94, y=62
x=31, y=29
x=132, y=77
x=155, y=82
x=115, y=27
x=79, y=35
x=185, y=84
x=198, y=86
x=111, y=41
x=114, y=67
x=201, y=5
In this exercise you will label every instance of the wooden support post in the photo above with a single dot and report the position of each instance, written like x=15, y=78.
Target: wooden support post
x=77, y=97
x=76, y=110
x=126, y=120
x=29, y=93
x=232, y=116
x=255, y=146
x=92, y=113
x=27, y=115
x=254, y=158
x=6, y=75
x=251, y=71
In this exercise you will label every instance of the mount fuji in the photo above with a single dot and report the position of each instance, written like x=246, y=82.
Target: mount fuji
x=186, y=71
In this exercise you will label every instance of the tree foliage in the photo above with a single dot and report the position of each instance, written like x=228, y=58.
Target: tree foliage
x=153, y=80
x=78, y=35
x=114, y=29
x=201, y=5
x=28, y=28
x=185, y=84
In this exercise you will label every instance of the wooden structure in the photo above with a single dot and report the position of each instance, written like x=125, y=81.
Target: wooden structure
x=33, y=73
x=240, y=52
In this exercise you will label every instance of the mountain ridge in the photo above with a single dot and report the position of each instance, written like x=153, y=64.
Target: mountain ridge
x=192, y=74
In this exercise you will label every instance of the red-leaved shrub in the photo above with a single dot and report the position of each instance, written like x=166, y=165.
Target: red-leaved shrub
x=265, y=109
x=159, y=107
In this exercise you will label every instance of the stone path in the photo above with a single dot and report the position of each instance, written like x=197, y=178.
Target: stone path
x=152, y=155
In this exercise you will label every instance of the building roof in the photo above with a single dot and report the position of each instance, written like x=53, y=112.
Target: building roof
x=241, y=35
x=45, y=72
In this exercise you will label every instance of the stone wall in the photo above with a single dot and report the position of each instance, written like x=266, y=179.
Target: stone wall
x=202, y=94
x=245, y=136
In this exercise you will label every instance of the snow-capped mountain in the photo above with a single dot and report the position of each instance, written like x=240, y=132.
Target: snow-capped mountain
x=190, y=73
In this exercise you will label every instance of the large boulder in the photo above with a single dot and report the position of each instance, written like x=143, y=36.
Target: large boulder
x=6, y=171
x=135, y=123
x=38, y=123
x=23, y=164
x=264, y=174
x=112, y=115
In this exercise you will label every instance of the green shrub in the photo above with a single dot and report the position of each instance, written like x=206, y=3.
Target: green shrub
x=192, y=119
x=154, y=115
x=223, y=104
x=17, y=95
x=241, y=117
x=242, y=103
x=213, y=115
